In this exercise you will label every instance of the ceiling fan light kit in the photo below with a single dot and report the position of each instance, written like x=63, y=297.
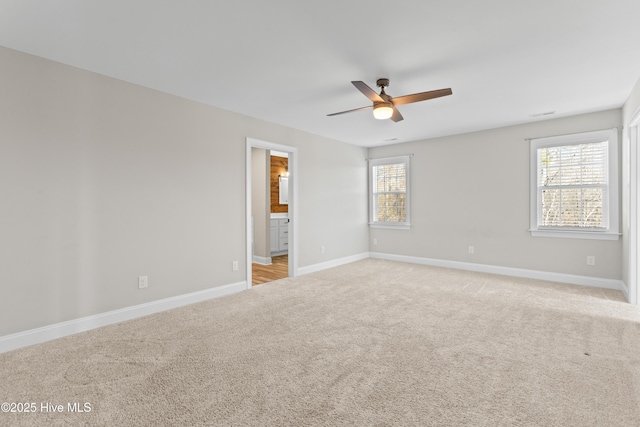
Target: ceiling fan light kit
x=384, y=106
x=383, y=110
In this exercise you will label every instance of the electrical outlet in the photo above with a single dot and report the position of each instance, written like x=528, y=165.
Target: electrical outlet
x=375, y=241
x=234, y=266
x=321, y=249
x=472, y=250
x=591, y=260
x=143, y=282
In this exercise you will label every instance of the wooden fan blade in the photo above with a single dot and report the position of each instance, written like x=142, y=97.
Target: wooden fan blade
x=367, y=91
x=350, y=111
x=396, y=117
x=422, y=96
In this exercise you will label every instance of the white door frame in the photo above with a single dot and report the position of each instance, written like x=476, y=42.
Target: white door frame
x=633, y=139
x=293, y=203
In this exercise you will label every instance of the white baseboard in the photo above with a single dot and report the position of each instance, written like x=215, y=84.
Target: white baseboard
x=333, y=263
x=262, y=260
x=625, y=291
x=62, y=329
x=596, y=282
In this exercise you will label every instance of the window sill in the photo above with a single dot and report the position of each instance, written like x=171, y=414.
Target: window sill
x=391, y=226
x=593, y=235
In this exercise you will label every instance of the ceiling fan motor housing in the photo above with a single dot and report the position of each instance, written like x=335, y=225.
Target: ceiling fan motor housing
x=382, y=83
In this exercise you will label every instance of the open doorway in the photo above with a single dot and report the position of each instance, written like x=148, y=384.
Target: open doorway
x=271, y=201
x=270, y=212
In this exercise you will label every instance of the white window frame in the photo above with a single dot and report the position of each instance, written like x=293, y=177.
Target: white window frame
x=611, y=231
x=390, y=161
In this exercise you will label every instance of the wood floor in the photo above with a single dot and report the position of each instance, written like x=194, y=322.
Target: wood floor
x=279, y=269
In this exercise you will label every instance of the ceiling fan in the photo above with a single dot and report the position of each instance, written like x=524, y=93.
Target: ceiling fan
x=384, y=106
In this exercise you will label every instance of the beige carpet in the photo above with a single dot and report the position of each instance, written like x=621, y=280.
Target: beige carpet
x=372, y=343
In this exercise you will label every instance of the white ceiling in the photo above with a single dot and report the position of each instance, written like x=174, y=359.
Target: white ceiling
x=291, y=61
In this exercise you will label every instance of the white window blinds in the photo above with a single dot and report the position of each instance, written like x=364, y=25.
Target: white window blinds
x=389, y=191
x=573, y=185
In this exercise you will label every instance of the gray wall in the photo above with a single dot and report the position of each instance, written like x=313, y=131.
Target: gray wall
x=102, y=181
x=473, y=190
x=632, y=104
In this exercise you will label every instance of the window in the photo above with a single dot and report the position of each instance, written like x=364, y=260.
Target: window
x=574, y=185
x=389, y=192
